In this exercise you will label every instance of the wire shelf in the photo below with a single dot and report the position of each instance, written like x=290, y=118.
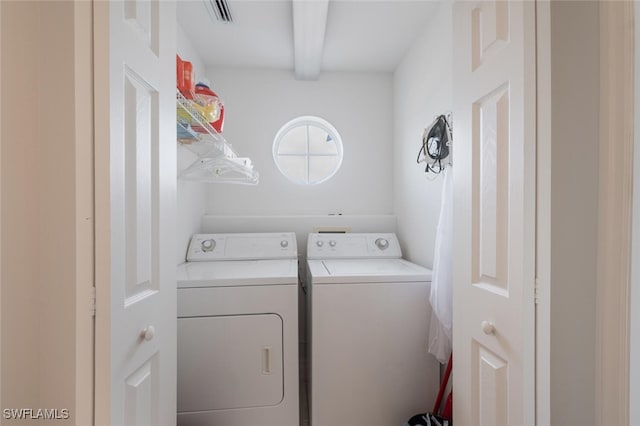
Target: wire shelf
x=207, y=143
x=217, y=161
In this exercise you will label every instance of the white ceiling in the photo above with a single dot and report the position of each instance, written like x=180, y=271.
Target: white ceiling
x=361, y=35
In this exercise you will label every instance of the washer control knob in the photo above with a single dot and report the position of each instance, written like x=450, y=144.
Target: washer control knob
x=208, y=245
x=332, y=243
x=284, y=243
x=319, y=243
x=382, y=243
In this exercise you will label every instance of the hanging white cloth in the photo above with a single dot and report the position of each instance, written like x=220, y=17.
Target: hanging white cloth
x=441, y=296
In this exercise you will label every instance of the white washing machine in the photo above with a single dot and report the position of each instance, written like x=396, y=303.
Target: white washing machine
x=238, y=331
x=368, y=313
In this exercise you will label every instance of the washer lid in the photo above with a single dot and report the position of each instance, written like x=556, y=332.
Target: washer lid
x=347, y=271
x=232, y=273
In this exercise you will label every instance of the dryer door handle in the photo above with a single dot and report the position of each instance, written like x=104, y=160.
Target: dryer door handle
x=266, y=360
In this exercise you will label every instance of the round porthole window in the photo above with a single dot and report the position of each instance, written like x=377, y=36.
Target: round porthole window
x=307, y=150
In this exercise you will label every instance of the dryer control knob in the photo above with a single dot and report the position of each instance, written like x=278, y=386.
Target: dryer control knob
x=284, y=243
x=382, y=243
x=208, y=245
x=332, y=243
x=319, y=243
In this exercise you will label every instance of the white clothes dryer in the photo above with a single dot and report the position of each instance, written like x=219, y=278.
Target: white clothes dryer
x=368, y=320
x=238, y=331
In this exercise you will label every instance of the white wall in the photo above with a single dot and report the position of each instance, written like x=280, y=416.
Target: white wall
x=575, y=103
x=0, y=203
x=187, y=52
x=423, y=88
x=47, y=207
x=634, y=303
x=20, y=180
x=191, y=196
x=57, y=171
x=258, y=102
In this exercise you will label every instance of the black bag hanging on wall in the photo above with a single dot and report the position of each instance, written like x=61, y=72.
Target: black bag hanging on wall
x=435, y=144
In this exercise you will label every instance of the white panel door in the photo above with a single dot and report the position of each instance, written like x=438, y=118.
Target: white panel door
x=135, y=226
x=494, y=186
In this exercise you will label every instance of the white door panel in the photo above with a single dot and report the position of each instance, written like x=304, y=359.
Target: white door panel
x=494, y=186
x=140, y=221
x=248, y=367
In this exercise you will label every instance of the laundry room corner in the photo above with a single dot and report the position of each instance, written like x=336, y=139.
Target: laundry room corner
x=423, y=89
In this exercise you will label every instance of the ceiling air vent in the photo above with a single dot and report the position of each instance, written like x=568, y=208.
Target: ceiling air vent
x=219, y=9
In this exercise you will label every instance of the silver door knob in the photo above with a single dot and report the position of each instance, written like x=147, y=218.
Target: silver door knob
x=487, y=327
x=148, y=332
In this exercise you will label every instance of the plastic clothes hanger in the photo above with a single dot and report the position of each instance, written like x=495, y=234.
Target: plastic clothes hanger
x=237, y=170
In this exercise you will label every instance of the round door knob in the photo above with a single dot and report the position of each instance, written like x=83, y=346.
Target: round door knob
x=148, y=332
x=319, y=243
x=382, y=243
x=208, y=245
x=284, y=243
x=332, y=243
x=488, y=328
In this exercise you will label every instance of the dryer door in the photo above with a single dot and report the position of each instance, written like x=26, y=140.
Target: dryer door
x=227, y=362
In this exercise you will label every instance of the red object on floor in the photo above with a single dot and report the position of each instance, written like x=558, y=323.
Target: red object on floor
x=447, y=411
x=443, y=387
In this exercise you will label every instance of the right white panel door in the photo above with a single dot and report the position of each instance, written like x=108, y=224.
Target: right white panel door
x=494, y=183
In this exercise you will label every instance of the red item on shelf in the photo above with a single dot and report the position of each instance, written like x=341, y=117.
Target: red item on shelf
x=219, y=123
x=203, y=89
x=185, y=77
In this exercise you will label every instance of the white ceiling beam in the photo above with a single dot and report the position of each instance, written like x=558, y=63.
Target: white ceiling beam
x=309, y=25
